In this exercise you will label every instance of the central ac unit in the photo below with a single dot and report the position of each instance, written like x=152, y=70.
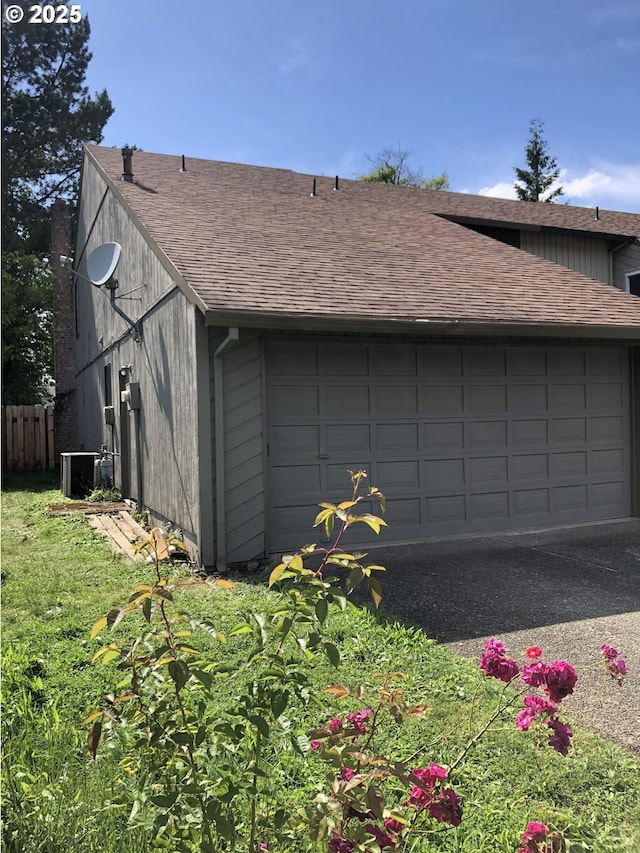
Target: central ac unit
x=77, y=474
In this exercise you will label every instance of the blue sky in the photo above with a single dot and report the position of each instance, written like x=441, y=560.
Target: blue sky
x=319, y=85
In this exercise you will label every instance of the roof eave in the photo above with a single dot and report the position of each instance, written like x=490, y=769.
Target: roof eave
x=420, y=326
x=531, y=226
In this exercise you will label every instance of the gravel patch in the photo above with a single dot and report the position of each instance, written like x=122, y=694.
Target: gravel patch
x=567, y=590
x=598, y=702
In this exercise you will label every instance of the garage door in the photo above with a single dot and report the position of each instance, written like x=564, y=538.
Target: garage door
x=459, y=438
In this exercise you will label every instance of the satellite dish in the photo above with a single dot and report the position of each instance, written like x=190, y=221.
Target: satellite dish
x=102, y=263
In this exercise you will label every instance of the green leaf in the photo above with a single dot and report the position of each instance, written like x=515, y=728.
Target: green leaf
x=184, y=738
x=322, y=610
x=93, y=738
x=164, y=801
x=375, y=589
x=114, y=617
x=203, y=677
x=354, y=578
x=373, y=521
x=277, y=573
x=279, y=702
x=318, y=827
x=261, y=724
x=110, y=654
x=375, y=801
x=241, y=628
x=98, y=626
x=224, y=827
x=179, y=672
x=92, y=716
x=328, y=525
x=333, y=654
x=146, y=609
x=284, y=626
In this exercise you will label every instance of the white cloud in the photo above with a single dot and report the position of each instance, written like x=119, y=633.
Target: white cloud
x=615, y=186
x=500, y=190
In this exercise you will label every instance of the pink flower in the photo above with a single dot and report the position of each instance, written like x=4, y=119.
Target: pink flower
x=494, y=663
x=393, y=825
x=495, y=646
x=359, y=718
x=335, y=725
x=263, y=846
x=429, y=776
x=535, y=836
x=616, y=666
x=560, y=679
x=533, y=707
x=562, y=734
x=338, y=844
x=534, y=674
x=382, y=838
x=347, y=773
x=533, y=652
x=446, y=808
x=609, y=652
x=315, y=744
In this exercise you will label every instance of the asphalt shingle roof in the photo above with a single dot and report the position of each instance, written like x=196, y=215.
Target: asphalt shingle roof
x=252, y=242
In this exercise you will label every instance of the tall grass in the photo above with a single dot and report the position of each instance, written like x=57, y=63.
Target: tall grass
x=59, y=577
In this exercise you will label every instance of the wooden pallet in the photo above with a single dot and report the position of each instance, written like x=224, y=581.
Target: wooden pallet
x=122, y=531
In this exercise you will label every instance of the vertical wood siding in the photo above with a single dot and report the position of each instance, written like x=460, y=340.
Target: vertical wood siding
x=625, y=260
x=584, y=255
x=164, y=363
x=244, y=449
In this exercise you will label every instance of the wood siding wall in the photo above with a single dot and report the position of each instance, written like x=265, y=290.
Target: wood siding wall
x=244, y=446
x=164, y=363
x=624, y=260
x=587, y=256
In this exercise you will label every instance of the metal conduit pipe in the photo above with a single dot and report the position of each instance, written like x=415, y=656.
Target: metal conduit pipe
x=218, y=413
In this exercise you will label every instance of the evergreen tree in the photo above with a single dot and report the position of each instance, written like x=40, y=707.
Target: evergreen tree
x=391, y=166
x=535, y=182
x=47, y=113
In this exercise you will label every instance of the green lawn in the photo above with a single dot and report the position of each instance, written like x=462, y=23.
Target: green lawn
x=59, y=577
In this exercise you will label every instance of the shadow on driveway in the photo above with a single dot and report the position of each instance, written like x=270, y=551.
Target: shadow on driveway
x=469, y=587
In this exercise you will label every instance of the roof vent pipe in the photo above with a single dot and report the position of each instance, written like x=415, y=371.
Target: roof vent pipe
x=127, y=164
x=184, y=168
x=313, y=191
x=597, y=216
x=337, y=186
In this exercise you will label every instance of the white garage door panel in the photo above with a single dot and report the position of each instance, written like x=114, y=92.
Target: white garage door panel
x=458, y=438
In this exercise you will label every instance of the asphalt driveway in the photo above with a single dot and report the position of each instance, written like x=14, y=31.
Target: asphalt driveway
x=566, y=590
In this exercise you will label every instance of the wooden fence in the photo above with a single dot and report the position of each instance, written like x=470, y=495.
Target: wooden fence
x=27, y=438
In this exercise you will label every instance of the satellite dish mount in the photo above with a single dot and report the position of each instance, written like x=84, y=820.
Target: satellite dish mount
x=101, y=265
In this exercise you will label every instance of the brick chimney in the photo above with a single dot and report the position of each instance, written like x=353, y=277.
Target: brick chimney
x=64, y=336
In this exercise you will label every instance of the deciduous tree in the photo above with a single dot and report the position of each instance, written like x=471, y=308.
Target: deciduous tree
x=391, y=166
